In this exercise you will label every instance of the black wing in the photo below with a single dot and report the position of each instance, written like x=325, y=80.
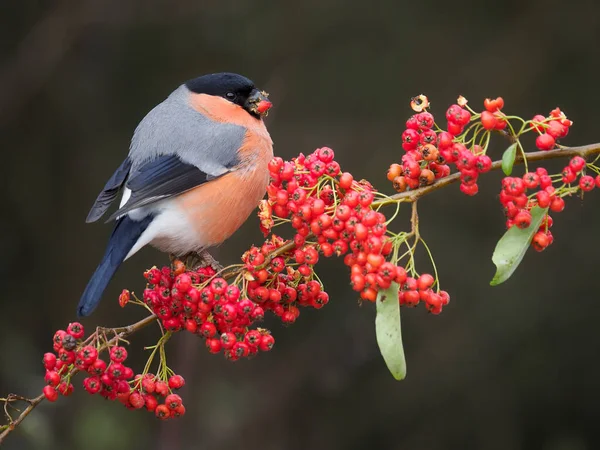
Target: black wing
x=161, y=178
x=110, y=191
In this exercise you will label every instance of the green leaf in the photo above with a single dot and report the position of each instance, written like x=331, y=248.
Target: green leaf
x=508, y=159
x=389, y=331
x=511, y=248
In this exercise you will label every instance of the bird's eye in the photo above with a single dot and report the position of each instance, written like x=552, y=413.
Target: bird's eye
x=230, y=96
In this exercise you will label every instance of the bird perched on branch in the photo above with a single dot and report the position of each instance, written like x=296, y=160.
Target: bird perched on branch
x=196, y=169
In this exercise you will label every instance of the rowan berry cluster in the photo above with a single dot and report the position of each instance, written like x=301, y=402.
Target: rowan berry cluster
x=517, y=204
x=112, y=380
x=464, y=144
x=321, y=201
x=280, y=286
x=550, y=129
x=209, y=307
x=514, y=198
x=429, y=152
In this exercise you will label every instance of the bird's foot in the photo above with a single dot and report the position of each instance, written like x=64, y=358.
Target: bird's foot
x=195, y=260
x=208, y=260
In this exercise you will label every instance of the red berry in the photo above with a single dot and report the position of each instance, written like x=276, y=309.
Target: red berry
x=493, y=105
x=275, y=165
x=346, y=180
x=208, y=329
x=469, y=189
x=311, y=256
x=445, y=297
x=444, y=140
x=178, y=412
x=218, y=285
x=97, y=367
x=410, y=139
x=162, y=412
x=176, y=382
x=577, y=163
x=523, y=219
x=545, y=142
x=557, y=204
x=412, y=123
x=483, y=163
x=411, y=298
x=556, y=129
x=545, y=181
x=173, y=401
x=116, y=371
x=150, y=402
x=540, y=241
x=425, y=120
x=50, y=393
x=228, y=340
x=76, y=330
x=88, y=354
x=118, y=354
x=266, y=342
x=124, y=298
x=586, y=183
x=92, y=385
x=425, y=281
x=148, y=385
x=531, y=180
x=488, y=120
x=52, y=378
x=183, y=283
x=538, y=119
x=568, y=175
x=136, y=400
x=49, y=361
x=161, y=388
x=543, y=199
x=454, y=128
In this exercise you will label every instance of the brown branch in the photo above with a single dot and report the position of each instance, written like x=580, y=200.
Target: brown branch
x=565, y=152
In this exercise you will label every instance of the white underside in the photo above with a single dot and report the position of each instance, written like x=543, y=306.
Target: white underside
x=170, y=231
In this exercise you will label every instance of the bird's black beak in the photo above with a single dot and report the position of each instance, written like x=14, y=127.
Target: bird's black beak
x=258, y=103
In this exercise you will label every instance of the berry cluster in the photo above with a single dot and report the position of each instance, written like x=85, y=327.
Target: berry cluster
x=209, y=307
x=322, y=201
x=113, y=380
x=429, y=152
x=412, y=291
x=280, y=286
x=550, y=129
x=517, y=204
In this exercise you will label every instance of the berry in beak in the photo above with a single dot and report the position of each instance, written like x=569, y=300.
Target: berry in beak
x=258, y=103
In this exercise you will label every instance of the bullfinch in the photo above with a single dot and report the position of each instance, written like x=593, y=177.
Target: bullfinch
x=196, y=169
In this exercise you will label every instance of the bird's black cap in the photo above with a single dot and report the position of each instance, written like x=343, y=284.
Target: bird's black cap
x=231, y=86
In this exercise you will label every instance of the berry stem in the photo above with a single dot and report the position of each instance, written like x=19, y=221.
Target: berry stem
x=435, y=272
x=523, y=155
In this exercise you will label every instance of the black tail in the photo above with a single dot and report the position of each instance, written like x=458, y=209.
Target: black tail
x=123, y=238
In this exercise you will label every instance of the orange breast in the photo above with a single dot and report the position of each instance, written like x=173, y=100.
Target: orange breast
x=218, y=208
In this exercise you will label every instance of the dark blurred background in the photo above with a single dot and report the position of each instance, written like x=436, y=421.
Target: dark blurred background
x=510, y=367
